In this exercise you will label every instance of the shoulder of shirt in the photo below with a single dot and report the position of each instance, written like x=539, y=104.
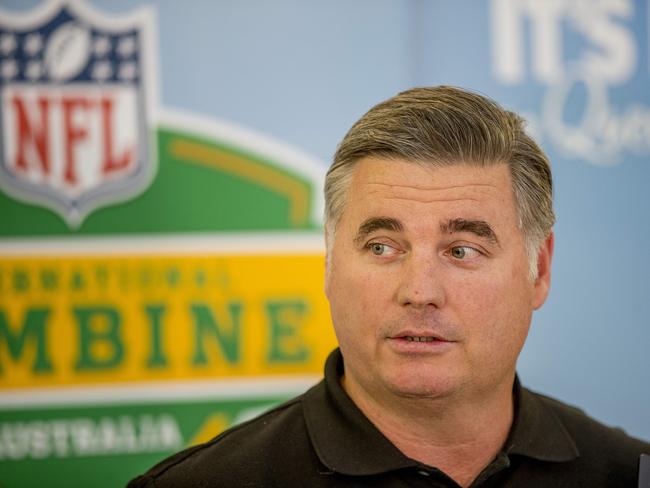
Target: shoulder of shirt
x=230, y=451
x=594, y=438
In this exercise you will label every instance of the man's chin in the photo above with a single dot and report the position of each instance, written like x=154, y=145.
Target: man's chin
x=422, y=385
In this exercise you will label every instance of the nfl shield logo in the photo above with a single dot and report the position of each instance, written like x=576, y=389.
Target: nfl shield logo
x=76, y=107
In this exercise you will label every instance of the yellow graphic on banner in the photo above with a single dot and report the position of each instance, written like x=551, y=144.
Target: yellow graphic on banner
x=84, y=320
x=211, y=427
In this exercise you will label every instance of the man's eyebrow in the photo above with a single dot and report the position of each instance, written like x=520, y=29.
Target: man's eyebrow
x=478, y=227
x=377, y=223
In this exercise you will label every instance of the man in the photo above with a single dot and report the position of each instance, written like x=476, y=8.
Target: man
x=439, y=244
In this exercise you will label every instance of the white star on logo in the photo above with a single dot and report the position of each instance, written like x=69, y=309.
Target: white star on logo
x=126, y=46
x=33, y=43
x=128, y=71
x=102, y=70
x=7, y=43
x=9, y=69
x=34, y=70
x=102, y=46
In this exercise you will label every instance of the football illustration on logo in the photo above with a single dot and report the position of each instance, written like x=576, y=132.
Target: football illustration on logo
x=67, y=51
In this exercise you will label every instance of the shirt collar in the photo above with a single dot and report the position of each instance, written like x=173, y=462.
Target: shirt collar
x=537, y=432
x=344, y=439
x=347, y=442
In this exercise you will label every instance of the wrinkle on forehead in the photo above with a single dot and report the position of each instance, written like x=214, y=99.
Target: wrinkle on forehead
x=427, y=188
x=434, y=200
x=430, y=194
x=378, y=175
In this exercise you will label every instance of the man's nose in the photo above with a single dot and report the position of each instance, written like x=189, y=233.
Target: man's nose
x=421, y=282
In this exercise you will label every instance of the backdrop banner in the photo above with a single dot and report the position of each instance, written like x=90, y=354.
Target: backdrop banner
x=161, y=174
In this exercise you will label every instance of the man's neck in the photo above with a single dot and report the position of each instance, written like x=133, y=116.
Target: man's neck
x=458, y=436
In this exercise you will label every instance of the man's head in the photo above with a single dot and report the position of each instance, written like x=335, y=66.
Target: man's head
x=439, y=218
x=444, y=126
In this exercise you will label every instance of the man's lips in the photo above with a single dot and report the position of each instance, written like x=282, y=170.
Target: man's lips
x=412, y=342
x=419, y=337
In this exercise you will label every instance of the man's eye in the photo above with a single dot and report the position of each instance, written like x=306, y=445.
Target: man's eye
x=463, y=252
x=379, y=249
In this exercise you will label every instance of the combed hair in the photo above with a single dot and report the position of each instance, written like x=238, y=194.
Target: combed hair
x=445, y=126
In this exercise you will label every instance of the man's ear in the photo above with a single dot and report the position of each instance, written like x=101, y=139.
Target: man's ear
x=543, y=280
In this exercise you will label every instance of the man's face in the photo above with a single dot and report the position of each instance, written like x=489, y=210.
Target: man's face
x=428, y=280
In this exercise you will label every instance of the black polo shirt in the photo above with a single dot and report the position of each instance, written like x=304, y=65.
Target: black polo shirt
x=321, y=439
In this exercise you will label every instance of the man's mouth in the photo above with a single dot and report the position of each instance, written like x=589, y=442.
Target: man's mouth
x=410, y=342
x=410, y=337
x=420, y=338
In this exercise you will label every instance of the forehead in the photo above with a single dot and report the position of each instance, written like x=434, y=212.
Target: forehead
x=453, y=191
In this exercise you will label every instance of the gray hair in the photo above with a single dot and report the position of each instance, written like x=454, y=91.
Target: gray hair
x=445, y=126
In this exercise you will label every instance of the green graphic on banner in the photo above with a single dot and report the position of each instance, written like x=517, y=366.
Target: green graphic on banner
x=106, y=446
x=200, y=186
